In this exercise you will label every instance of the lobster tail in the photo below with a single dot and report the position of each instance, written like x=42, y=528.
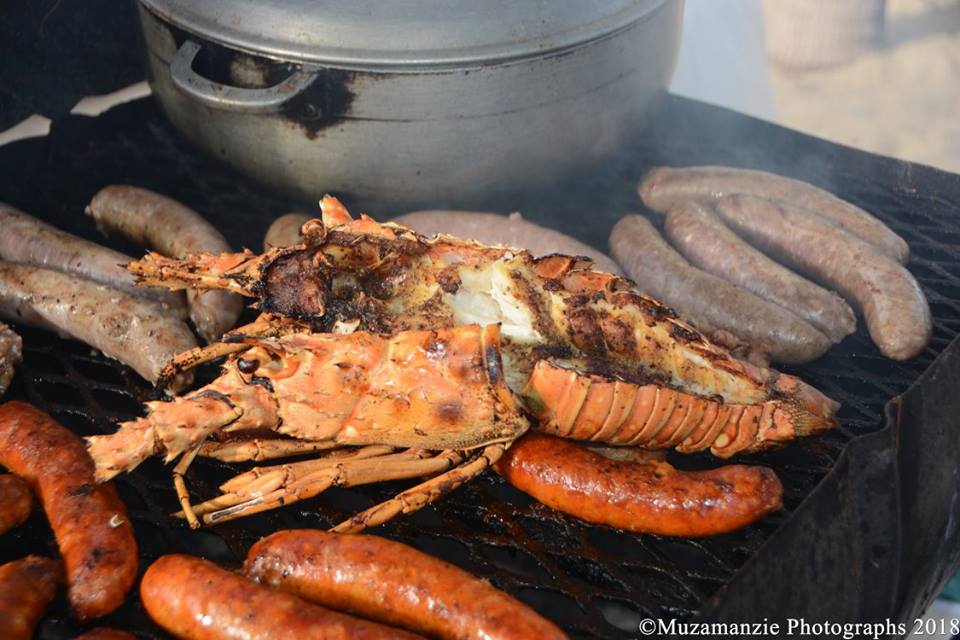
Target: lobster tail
x=582, y=406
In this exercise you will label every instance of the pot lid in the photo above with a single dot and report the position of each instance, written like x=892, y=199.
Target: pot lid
x=401, y=32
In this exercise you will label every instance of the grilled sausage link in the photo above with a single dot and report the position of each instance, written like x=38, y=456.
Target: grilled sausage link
x=175, y=230
x=285, y=231
x=30, y=241
x=663, y=187
x=707, y=301
x=15, y=502
x=892, y=302
x=697, y=233
x=393, y=583
x=645, y=497
x=11, y=354
x=27, y=587
x=509, y=231
x=89, y=521
x=125, y=327
x=103, y=633
x=196, y=600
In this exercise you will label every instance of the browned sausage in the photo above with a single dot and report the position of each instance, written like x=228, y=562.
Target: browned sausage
x=11, y=354
x=707, y=301
x=645, y=497
x=393, y=583
x=510, y=231
x=175, y=230
x=27, y=588
x=697, y=233
x=285, y=230
x=122, y=326
x=103, y=633
x=15, y=502
x=664, y=186
x=196, y=600
x=892, y=302
x=30, y=241
x=89, y=521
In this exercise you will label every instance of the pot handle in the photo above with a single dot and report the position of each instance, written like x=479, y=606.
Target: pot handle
x=220, y=96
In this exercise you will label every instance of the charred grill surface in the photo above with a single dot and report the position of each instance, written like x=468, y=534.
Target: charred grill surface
x=594, y=581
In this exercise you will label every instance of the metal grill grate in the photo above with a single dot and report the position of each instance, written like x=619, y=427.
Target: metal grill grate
x=594, y=581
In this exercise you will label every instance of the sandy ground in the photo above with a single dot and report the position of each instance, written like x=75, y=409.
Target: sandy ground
x=902, y=100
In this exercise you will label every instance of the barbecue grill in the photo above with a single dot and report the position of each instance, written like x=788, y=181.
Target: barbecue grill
x=869, y=530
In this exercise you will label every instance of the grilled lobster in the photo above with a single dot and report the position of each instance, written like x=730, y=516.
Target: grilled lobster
x=407, y=356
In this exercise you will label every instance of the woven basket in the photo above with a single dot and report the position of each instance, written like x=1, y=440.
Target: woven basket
x=803, y=34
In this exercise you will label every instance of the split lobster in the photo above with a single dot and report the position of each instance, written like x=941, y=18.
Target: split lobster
x=392, y=355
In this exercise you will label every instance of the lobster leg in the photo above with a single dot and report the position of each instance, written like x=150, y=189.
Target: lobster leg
x=417, y=497
x=348, y=473
x=260, y=449
x=183, y=496
x=261, y=481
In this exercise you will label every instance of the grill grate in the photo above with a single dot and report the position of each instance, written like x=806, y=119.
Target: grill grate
x=594, y=581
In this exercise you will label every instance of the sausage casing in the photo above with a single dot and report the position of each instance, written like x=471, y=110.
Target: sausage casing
x=285, y=230
x=663, y=187
x=644, y=497
x=511, y=231
x=197, y=600
x=15, y=502
x=175, y=230
x=896, y=311
x=709, y=302
x=11, y=354
x=28, y=240
x=125, y=327
x=27, y=587
x=393, y=583
x=697, y=233
x=89, y=521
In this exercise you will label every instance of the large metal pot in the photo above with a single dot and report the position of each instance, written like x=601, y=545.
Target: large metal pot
x=409, y=103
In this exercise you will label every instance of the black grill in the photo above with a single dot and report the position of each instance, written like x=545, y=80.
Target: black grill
x=593, y=581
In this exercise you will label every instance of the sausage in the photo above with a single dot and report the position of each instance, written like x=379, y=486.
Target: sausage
x=30, y=241
x=11, y=354
x=125, y=327
x=27, y=587
x=696, y=232
x=285, y=230
x=896, y=311
x=644, y=497
x=15, y=502
x=664, y=186
x=89, y=521
x=511, y=231
x=711, y=303
x=393, y=583
x=197, y=600
x=103, y=633
x=175, y=230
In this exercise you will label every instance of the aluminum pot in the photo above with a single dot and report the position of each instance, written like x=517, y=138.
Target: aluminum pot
x=409, y=103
